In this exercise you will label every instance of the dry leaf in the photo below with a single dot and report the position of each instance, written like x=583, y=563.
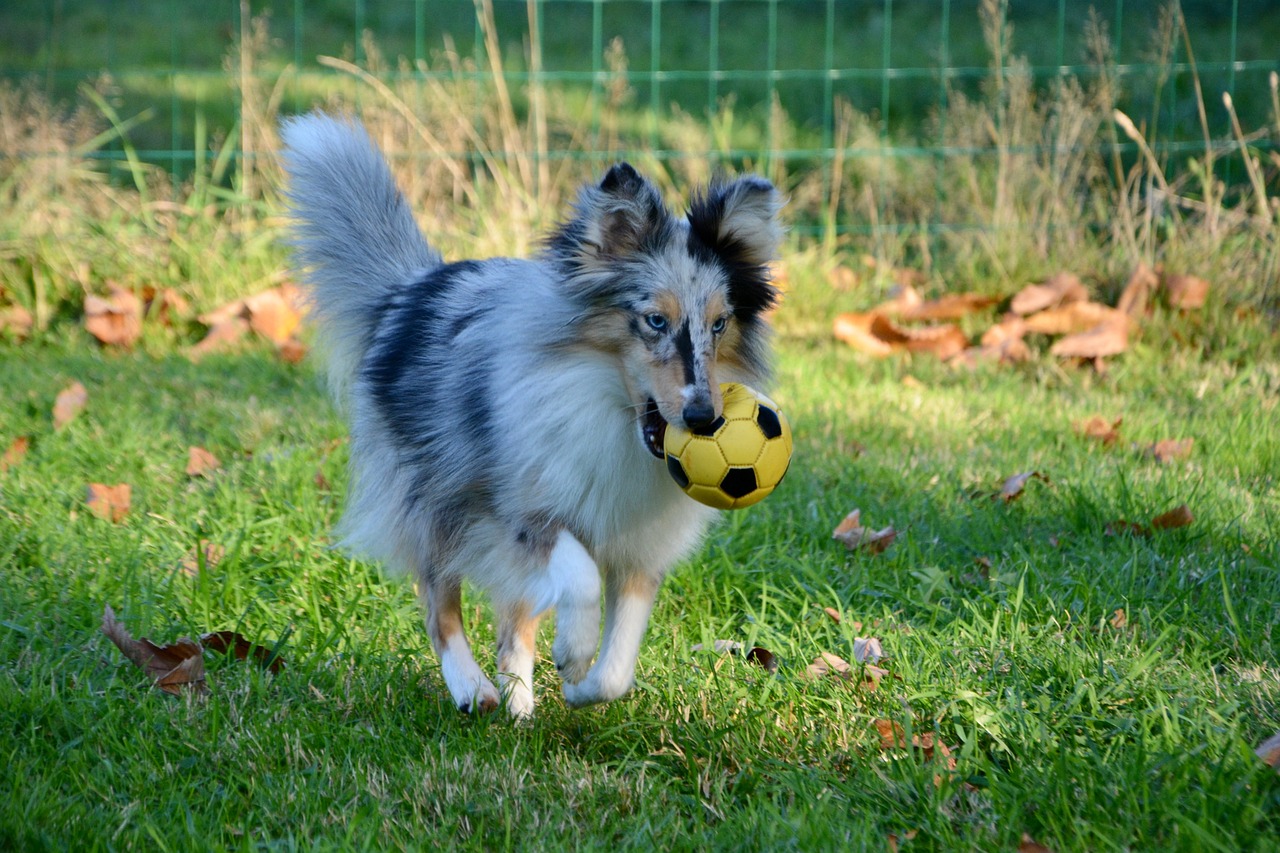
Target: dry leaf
x=292, y=351
x=1179, y=516
x=1012, y=487
x=1269, y=752
x=204, y=555
x=1110, y=337
x=172, y=668
x=1118, y=619
x=943, y=341
x=826, y=663
x=1138, y=291
x=1171, y=449
x=115, y=320
x=1100, y=429
x=762, y=657
x=167, y=306
x=902, y=297
x=833, y=613
x=1029, y=845
x=271, y=316
x=1061, y=289
x=1119, y=526
x=15, y=453
x=1072, y=318
x=69, y=403
x=221, y=335
x=855, y=330
x=951, y=306
x=16, y=322
x=110, y=503
x=201, y=462
x=892, y=839
x=855, y=536
x=1010, y=328
x=231, y=641
x=1186, y=292
x=867, y=650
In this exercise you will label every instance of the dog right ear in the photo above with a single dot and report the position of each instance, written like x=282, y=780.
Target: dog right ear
x=616, y=217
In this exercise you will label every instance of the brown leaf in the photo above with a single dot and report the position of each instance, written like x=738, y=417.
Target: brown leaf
x=1010, y=328
x=1061, y=289
x=1119, y=619
x=1072, y=318
x=200, y=462
x=1138, y=291
x=110, y=503
x=271, y=316
x=231, y=641
x=172, y=668
x=1012, y=487
x=892, y=839
x=951, y=306
x=855, y=536
x=762, y=657
x=15, y=453
x=855, y=330
x=292, y=351
x=221, y=335
x=825, y=664
x=833, y=613
x=69, y=403
x=867, y=649
x=1171, y=449
x=1119, y=526
x=1269, y=752
x=1186, y=292
x=892, y=735
x=1179, y=516
x=167, y=306
x=1100, y=429
x=205, y=555
x=1111, y=337
x=902, y=297
x=943, y=341
x=115, y=320
x=16, y=322
x=1029, y=845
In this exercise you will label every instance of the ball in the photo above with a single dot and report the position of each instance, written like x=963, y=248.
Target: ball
x=736, y=460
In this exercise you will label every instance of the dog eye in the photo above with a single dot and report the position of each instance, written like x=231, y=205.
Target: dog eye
x=656, y=322
x=719, y=325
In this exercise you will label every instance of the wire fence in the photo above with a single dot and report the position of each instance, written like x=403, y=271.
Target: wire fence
x=901, y=64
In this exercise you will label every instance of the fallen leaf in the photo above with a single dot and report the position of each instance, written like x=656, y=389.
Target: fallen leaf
x=855, y=330
x=110, y=503
x=943, y=341
x=15, y=453
x=204, y=556
x=1029, y=845
x=1100, y=429
x=833, y=613
x=951, y=306
x=201, y=462
x=167, y=306
x=69, y=403
x=292, y=351
x=1119, y=526
x=1060, y=289
x=1171, y=449
x=1111, y=337
x=892, y=735
x=1185, y=292
x=220, y=336
x=242, y=649
x=855, y=536
x=1138, y=291
x=825, y=664
x=892, y=839
x=1070, y=319
x=762, y=657
x=115, y=320
x=1013, y=487
x=271, y=315
x=867, y=649
x=16, y=322
x=1269, y=752
x=1118, y=619
x=1179, y=516
x=172, y=668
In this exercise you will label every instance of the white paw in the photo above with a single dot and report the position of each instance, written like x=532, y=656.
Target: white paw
x=482, y=700
x=580, y=693
x=519, y=699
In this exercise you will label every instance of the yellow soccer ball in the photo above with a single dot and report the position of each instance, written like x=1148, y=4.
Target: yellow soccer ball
x=739, y=458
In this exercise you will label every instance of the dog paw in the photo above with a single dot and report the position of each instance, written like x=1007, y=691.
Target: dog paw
x=483, y=700
x=580, y=694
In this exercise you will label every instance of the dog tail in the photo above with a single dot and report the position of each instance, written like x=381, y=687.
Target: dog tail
x=352, y=234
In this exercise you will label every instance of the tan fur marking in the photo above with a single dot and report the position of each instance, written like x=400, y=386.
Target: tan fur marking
x=443, y=601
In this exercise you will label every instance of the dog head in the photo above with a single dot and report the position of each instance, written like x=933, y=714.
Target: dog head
x=680, y=300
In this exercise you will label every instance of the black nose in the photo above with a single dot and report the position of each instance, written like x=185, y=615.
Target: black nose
x=698, y=413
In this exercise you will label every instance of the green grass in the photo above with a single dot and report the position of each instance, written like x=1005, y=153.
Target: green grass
x=1083, y=735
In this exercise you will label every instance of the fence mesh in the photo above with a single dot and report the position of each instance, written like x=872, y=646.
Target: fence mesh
x=902, y=66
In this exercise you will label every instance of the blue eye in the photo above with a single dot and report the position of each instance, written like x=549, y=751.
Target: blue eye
x=719, y=325
x=656, y=322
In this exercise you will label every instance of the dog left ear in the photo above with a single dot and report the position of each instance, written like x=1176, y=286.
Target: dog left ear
x=739, y=220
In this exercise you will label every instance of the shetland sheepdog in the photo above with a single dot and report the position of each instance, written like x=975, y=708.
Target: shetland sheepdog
x=507, y=415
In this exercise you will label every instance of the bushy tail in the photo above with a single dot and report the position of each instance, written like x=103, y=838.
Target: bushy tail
x=353, y=234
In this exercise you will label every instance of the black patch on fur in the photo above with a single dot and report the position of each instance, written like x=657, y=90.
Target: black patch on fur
x=750, y=288
x=684, y=348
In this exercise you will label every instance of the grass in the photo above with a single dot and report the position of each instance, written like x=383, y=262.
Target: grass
x=1070, y=725
x=1081, y=734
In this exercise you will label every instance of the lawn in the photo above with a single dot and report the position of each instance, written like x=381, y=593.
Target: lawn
x=1055, y=671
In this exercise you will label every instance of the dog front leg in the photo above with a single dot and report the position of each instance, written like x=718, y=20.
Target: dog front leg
x=571, y=584
x=629, y=602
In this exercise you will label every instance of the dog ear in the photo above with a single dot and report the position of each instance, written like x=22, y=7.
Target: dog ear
x=618, y=215
x=739, y=220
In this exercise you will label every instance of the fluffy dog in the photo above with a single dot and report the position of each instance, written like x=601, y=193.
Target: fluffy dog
x=506, y=414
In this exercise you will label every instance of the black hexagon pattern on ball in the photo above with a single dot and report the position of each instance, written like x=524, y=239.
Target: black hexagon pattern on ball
x=768, y=420
x=739, y=482
x=676, y=470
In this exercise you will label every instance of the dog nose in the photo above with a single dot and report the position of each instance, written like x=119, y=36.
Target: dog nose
x=698, y=413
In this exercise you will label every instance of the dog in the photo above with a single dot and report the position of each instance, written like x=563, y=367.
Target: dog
x=507, y=415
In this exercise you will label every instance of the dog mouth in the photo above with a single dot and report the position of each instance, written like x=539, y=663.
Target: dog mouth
x=653, y=428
